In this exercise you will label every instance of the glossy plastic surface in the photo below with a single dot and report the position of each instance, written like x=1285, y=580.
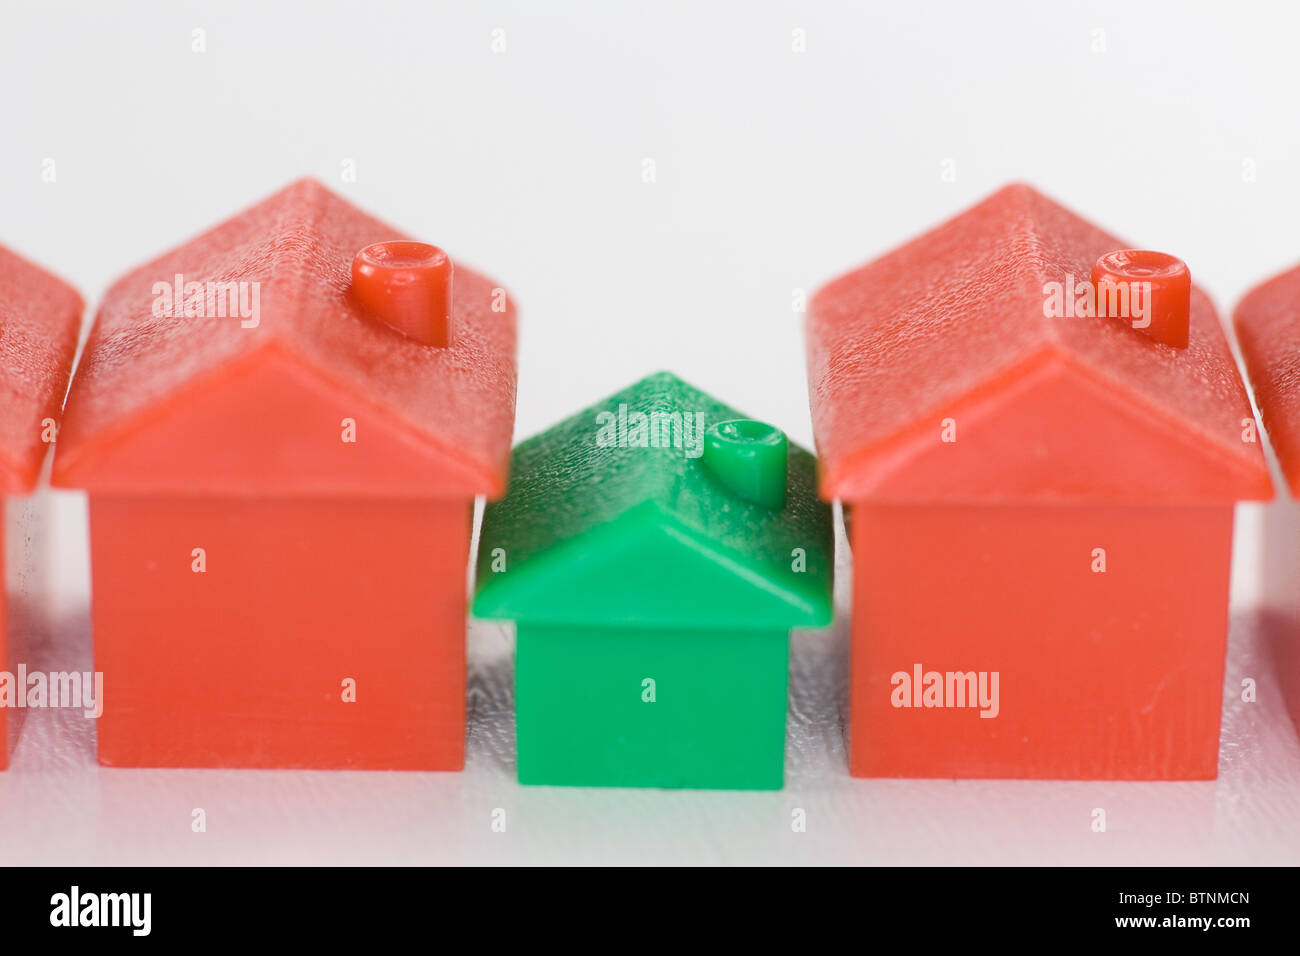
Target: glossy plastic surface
x=714, y=716
x=750, y=459
x=319, y=633
x=1101, y=674
x=408, y=286
x=1163, y=287
x=653, y=601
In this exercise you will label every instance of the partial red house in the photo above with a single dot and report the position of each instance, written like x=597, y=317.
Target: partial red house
x=1267, y=321
x=1268, y=328
x=1040, y=502
x=282, y=426
x=40, y=317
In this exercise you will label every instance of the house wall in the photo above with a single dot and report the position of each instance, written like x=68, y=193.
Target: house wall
x=242, y=663
x=7, y=730
x=1113, y=673
x=714, y=715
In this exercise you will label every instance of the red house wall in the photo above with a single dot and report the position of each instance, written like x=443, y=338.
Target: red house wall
x=1113, y=675
x=243, y=664
x=6, y=662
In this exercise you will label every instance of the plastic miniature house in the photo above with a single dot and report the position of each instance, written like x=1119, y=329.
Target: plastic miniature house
x=282, y=426
x=655, y=550
x=1040, y=496
x=40, y=317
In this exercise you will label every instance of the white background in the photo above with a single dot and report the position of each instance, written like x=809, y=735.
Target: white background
x=1172, y=125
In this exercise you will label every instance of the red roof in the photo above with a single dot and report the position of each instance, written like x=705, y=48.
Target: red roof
x=953, y=325
x=1268, y=328
x=165, y=404
x=40, y=318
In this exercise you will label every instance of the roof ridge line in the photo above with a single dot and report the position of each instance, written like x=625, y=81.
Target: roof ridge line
x=1038, y=267
x=280, y=248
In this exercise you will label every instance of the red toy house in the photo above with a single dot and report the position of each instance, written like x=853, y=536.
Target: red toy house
x=1040, y=500
x=282, y=426
x=40, y=317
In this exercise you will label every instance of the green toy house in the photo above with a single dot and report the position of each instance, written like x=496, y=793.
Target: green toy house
x=655, y=550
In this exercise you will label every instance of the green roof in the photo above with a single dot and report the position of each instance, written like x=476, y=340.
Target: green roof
x=613, y=517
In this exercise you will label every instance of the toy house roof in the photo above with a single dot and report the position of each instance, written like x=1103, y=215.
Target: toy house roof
x=40, y=318
x=240, y=403
x=936, y=373
x=1268, y=329
x=596, y=532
